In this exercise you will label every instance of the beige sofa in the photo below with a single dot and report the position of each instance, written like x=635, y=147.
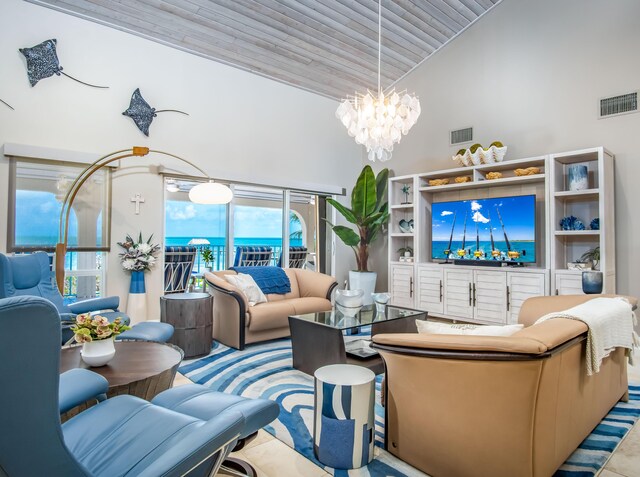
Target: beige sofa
x=468, y=406
x=236, y=324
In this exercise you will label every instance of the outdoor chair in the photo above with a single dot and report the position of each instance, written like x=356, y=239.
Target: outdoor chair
x=178, y=264
x=249, y=256
x=297, y=257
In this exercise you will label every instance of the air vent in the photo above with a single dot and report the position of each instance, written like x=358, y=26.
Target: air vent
x=461, y=135
x=616, y=105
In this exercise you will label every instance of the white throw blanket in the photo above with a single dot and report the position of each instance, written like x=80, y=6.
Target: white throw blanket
x=610, y=322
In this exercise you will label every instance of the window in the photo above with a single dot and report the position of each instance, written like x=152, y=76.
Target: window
x=37, y=190
x=253, y=218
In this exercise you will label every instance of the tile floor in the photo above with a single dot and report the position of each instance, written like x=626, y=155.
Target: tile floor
x=272, y=458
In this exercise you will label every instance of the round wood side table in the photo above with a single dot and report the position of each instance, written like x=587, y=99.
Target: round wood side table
x=139, y=368
x=191, y=315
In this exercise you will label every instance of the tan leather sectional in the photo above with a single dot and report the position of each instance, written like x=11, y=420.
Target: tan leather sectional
x=236, y=324
x=518, y=406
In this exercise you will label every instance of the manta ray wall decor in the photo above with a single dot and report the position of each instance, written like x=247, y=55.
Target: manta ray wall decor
x=7, y=105
x=143, y=114
x=42, y=62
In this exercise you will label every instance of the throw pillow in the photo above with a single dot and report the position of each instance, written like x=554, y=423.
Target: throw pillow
x=436, y=328
x=248, y=287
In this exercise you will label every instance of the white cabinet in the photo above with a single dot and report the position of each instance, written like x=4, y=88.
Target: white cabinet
x=568, y=283
x=474, y=294
x=430, y=289
x=521, y=286
x=458, y=293
x=401, y=281
x=490, y=296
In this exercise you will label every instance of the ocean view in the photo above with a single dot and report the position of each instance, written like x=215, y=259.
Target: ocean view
x=528, y=246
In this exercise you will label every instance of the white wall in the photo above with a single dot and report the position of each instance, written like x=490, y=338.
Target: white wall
x=239, y=126
x=530, y=74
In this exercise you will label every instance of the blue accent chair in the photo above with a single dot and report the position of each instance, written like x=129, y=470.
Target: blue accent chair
x=178, y=264
x=297, y=257
x=30, y=275
x=187, y=430
x=252, y=256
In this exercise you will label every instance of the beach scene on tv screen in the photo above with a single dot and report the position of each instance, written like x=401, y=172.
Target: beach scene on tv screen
x=501, y=228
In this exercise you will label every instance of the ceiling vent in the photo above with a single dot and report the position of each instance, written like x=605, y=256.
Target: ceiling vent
x=621, y=104
x=460, y=136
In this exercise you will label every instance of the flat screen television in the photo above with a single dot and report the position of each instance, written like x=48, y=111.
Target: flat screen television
x=500, y=228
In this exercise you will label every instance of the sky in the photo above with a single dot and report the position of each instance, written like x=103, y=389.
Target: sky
x=185, y=219
x=518, y=215
x=37, y=215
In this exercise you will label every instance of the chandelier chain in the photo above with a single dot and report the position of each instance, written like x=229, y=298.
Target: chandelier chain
x=379, y=42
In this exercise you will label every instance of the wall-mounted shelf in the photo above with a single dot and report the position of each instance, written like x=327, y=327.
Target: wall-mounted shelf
x=577, y=233
x=586, y=194
x=477, y=175
x=401, y=206
x=401, y=234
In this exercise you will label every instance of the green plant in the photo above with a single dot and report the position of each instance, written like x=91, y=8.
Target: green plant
x=368, y=212
x=592, y=255
x=207, y=256
x=402, y=250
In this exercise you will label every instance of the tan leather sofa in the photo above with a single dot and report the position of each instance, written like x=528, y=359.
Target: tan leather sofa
x=236, y=324
x=518, y=406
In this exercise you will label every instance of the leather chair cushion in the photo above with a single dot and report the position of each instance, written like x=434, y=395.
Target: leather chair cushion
x=310, y=305
x=204, y=404
x=267, y=316
x=111, y=438
x=149, y=331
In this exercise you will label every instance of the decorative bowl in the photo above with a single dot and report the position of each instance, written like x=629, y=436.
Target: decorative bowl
x=404, y=226
x=349, y=302
x=529, y=171
x=381, y=298
x=481, y=156
x=438, y=182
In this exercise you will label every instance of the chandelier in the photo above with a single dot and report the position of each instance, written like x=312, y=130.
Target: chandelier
x=378, y=121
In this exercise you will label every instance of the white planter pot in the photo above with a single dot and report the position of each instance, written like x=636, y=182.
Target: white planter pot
x=365, y=281
x=98, y=353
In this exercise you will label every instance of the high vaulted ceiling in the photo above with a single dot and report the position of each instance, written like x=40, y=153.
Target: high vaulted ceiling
x=325, y=46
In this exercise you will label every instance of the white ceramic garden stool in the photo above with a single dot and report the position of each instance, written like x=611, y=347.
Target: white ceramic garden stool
x=343, y=418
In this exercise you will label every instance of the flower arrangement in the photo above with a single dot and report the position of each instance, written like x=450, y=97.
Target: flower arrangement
x=89, y=328
x=138, y=256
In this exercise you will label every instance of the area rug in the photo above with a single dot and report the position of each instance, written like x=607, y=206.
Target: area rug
x=265, y=370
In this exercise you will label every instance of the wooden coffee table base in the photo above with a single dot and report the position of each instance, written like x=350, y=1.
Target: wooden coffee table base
x=139, y=368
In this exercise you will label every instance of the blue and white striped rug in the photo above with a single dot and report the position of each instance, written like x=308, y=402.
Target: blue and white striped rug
x=265, y=370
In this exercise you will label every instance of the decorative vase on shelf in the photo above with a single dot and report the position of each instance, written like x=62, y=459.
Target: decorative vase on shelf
x=592, y=282
x=137, y=302
x=98, y=352
x=578, y=177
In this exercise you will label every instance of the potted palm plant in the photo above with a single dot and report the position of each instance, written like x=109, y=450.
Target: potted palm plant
x=369, y=213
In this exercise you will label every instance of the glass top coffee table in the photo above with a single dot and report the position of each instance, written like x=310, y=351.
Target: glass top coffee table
x=330, y=337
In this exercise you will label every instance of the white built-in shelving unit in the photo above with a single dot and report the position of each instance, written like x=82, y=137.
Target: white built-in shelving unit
x=494, y=295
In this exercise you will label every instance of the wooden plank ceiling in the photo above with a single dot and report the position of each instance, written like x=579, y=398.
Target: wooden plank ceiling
x=325, y=46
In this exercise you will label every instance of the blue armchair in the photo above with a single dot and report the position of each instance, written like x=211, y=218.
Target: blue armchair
x=187, y=430
x=30, y=275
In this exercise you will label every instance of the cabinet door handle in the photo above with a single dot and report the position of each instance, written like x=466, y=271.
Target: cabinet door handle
x=508, y=298
x=474, y=294
x=470, y=298
x=410, y=287
x=440, y=291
